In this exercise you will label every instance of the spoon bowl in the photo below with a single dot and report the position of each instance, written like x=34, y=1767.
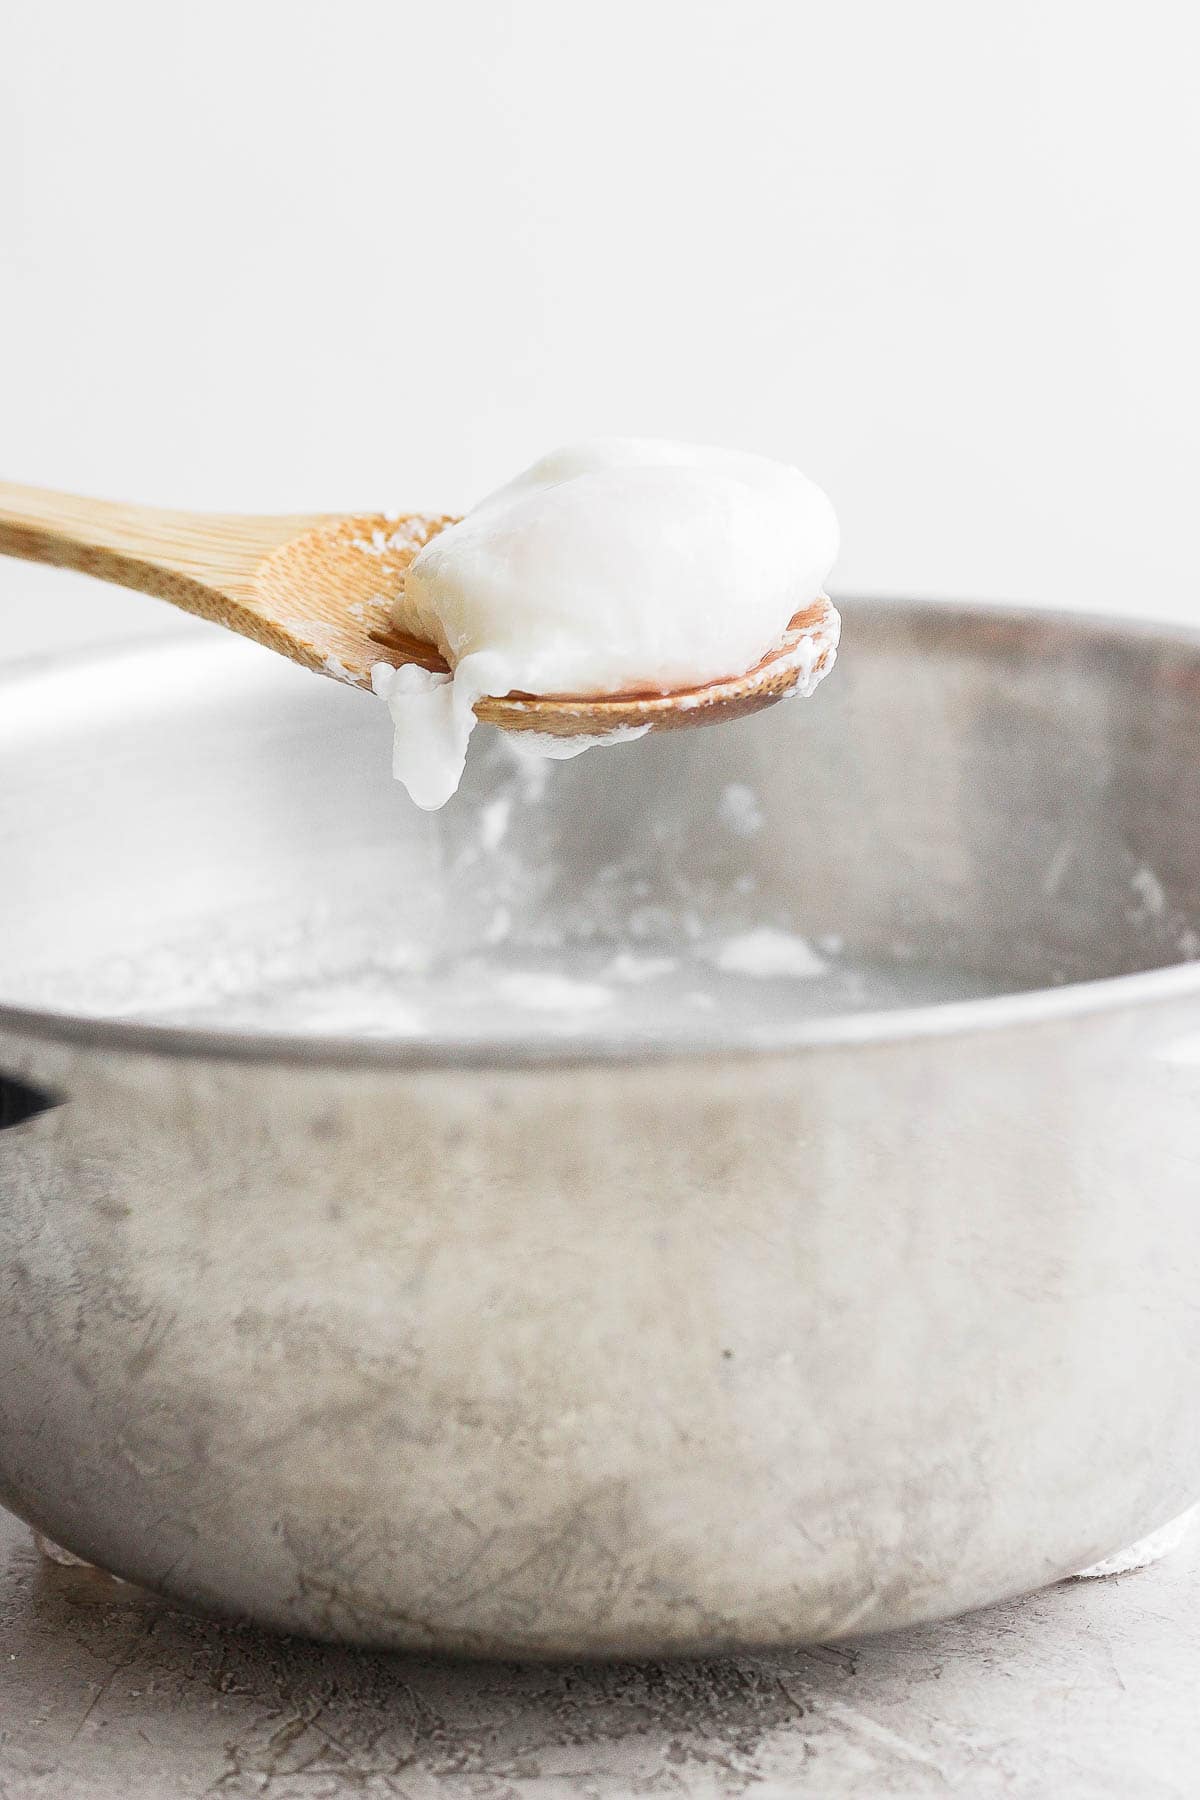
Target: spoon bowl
x=320, y=589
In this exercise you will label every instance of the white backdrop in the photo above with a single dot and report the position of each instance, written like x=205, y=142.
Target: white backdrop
x=293, y=255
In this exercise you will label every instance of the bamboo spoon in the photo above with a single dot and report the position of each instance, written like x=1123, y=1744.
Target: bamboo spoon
x=319, y=587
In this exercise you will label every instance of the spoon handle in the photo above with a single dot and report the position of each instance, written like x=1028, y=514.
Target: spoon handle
x=187, y=558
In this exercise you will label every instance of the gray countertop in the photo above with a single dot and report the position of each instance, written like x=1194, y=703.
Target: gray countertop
x=1088, y=1689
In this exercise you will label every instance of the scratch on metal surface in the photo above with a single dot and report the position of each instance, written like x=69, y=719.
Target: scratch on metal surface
x=899, y=1746
x=142, y=1632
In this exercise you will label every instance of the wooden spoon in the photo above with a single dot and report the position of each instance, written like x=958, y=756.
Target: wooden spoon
x=319, y=587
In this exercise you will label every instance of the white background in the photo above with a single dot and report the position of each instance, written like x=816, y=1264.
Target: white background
x=940, y=253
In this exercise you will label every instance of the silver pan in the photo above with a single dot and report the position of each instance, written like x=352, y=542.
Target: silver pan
x=614, y=1292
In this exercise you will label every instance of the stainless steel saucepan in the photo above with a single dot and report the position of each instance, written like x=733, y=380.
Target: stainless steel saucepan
x=630, y=1286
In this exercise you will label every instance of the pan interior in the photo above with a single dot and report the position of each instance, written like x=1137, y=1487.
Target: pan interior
x=193, y=832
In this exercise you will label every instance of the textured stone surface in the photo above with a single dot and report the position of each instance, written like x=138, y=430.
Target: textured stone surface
x=1089, y=1689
